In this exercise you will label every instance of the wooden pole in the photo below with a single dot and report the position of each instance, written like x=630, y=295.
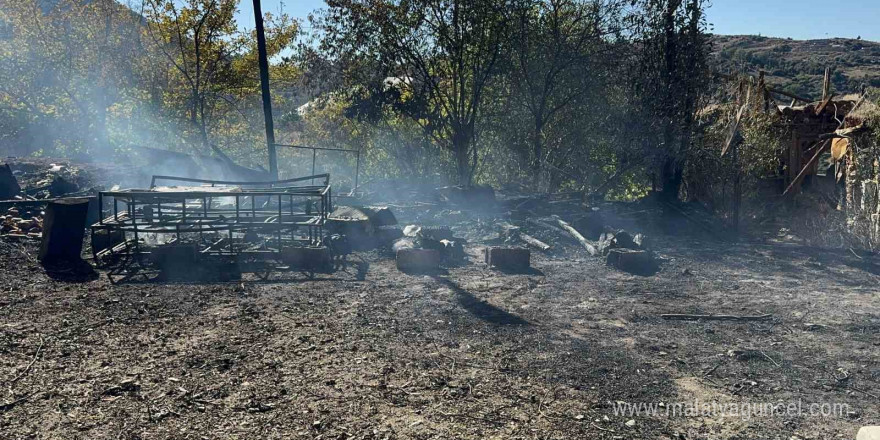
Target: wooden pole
x=264, y=85
x=577, y=235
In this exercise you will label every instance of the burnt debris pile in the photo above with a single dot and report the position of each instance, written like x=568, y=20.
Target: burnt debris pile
x=27, y=186
x=187, y=229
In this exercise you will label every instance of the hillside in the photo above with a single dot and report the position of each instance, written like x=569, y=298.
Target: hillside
x=798, y=66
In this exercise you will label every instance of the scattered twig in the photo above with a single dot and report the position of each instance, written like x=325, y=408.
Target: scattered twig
x=33, y=361
x=864, y=392
x=770, y=359
x=534, y=241
x=594, y=425
x=8, y=406
x=712, y=370
x=688, y=317
x=93, y=326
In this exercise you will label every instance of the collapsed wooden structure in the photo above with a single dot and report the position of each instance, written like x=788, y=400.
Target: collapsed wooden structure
x=831, y=143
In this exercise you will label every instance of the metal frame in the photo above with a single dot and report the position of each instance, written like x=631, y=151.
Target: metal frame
x=221, y=218
x=357, y=169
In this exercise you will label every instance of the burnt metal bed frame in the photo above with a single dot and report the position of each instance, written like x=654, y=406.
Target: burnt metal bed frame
x=255, y=220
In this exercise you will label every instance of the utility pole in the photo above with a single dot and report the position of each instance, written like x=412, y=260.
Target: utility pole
x=264, y=85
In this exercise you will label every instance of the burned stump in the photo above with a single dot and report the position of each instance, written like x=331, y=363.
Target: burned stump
x=636, y=262
x=63, y=230
x=9, y=187
x=512, y=259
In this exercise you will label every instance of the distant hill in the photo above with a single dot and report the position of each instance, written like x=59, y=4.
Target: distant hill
x=798, y=66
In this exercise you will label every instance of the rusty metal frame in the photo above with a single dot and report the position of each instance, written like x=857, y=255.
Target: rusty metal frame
x=256, y=219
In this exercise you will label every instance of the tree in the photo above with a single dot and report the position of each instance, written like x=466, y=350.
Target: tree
x=552, y=60
x=64, y=66
x=669, y=77
x=212, y=63
x=443, y=52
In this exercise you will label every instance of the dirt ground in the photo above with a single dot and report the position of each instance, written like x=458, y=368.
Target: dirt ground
x=373, y=353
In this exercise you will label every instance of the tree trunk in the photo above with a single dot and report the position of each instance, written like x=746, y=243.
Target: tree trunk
x=461, y=144
x=670, y=179
x=102, y=136
x=538, y=152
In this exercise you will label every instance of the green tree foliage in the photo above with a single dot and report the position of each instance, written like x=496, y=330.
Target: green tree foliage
x=588, y=95
x=210, y=82
x=90, y=77
x=555, y=67
x=443, y=52
x=64, y=68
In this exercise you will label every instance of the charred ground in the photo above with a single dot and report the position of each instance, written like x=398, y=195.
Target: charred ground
x=370, y=352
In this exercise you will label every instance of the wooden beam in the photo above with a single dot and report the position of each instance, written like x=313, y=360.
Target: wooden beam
x=577, y=236
x=826, y=85
x=824, y=104
x=804, y=171
x=769, y=89
x=790, y=95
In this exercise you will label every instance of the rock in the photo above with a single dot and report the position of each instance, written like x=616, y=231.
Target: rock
x=636, y=262
x=630, y=423
x=514, y=259
x=418, y=260
x=869, y=433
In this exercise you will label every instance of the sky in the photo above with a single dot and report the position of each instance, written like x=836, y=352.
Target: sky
x=798, y=19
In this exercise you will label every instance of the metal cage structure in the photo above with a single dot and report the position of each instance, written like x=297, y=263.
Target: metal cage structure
x=253, y=224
